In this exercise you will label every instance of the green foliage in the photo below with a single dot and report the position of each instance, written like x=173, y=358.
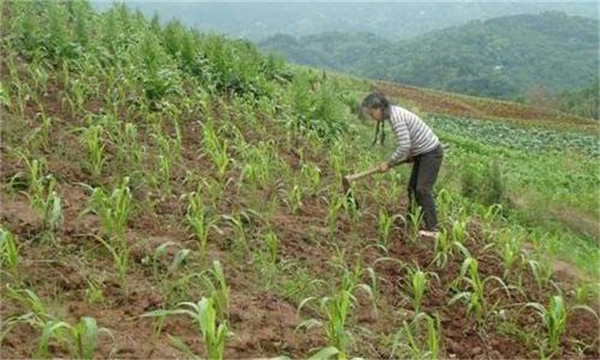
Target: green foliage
x=502, y=57
x=317, y=106
x=583, y=102
x=483, y=183
x=538, y=139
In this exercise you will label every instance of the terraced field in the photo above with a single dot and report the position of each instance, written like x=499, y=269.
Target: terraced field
x=170, y=194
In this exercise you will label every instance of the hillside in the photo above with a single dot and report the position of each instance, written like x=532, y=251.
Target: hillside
x=503, y=57
x=392, y=20
x=171, y=194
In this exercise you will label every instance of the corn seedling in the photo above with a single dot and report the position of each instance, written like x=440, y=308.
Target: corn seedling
x=30, y=301
x=155, y=260
x=199, y=220
x=51, y=208
x=374, y=286
x=204, y=315
x=542, y=272
x=81, y=339
x=120, y=253
x=216, y=282
x=384, y=227
x=335, y=204
x=113, y=209
x=41, y=134
x=236, y=221
x=36, y=181
x=444, y=202
x=92, y=139
x=79, y=91
x=168, y=153
x=312, y=174
x=459, y=231
x=272, y=242
x=9, y=254
x=475, y=296
x=442, y=249
x=416, y=283
x=414, y=221
x=94, y=293
x=216, y=149
x=293, y=199
x=555, y=318
x=510, y=251
x=585, y=290
x=337, y=308
x=410, y=341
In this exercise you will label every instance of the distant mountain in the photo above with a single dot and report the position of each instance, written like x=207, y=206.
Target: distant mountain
x=392, y=20
x=503, y=57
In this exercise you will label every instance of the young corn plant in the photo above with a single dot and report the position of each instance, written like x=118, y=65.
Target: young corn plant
x=384, y=227
x=475, y=296
x=414, y=222
x=511, y=253
x=293, y=199
x=337, y=160
x=218, y=287
x=272, y=243
x=51, y=208
x=216, y=149
x=113, y=209
x=41, y=134
x=168, y=154
x=444, y=203
x=337, y=308
x=312, y=174
x=542, y=271
x=36, y=181
x=203, y=313
x=240, y=241
x=200, y=221
x=554, y=318
x=81, y=339
x=42, y=195
x=335, y=204
x=416, y=283
x=459, y=231
x=92, y=138
x=9, y=254
x=586, y=290
x=36, y=312
x=443, y=249
x=411, y=342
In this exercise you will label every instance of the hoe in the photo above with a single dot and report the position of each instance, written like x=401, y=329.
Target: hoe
x=346, y=180
x=346, y=184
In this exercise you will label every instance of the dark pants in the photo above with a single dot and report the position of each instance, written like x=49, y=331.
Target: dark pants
x=420, y=187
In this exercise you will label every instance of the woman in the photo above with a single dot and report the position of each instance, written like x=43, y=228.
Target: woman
x=417, y=144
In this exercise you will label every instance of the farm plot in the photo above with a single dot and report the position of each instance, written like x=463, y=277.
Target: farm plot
x=192, y=207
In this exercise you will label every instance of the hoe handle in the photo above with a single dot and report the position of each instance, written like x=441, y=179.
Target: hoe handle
x=362, y=174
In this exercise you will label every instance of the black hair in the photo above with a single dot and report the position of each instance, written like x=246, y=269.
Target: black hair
x=376, y=100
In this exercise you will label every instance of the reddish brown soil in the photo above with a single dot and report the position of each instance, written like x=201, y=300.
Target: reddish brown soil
x=438, y=102
x=263, y=320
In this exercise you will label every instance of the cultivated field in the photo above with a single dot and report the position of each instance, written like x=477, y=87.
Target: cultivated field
x=170, y=194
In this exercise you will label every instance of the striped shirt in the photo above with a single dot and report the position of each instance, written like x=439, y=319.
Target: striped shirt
x=413, y=135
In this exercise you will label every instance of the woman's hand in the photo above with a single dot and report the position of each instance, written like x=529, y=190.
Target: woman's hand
x=384, y=167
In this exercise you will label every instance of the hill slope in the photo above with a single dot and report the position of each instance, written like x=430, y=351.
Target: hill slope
x=393, y=20
x=503, y=57
x=170, y=194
